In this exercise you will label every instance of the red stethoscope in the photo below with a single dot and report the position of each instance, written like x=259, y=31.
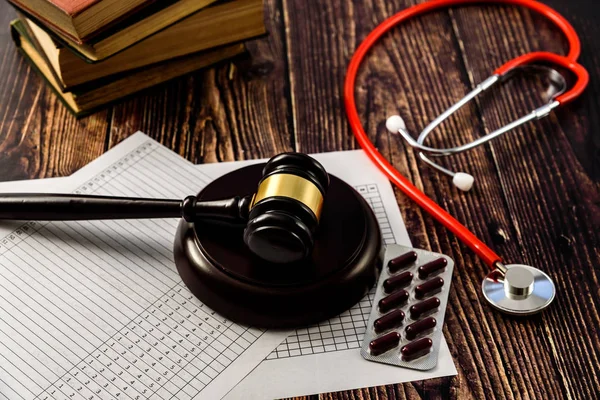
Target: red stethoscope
x=514, y=289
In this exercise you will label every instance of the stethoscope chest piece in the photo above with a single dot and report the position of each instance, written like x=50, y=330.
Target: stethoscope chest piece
x=520, y=290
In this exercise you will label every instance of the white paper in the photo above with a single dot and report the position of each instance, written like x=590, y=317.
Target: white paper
x=336, y=363
x=283, y=373
x=96, y=309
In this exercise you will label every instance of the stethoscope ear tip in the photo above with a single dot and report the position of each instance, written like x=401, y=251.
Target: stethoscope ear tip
x=521, y=290
x=394, y=123
x=463, y=181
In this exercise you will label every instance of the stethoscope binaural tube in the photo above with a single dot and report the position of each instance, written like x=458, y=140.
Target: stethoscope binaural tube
x=519, y=294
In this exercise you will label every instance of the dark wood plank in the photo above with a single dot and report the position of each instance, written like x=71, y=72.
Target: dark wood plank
x=537, y=198
x=38, y=136
x=555, y=182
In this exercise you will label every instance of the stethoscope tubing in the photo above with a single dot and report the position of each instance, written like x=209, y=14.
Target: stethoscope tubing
x=484, y=252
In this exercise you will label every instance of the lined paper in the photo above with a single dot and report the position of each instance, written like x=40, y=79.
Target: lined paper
x=284, y=370
x=96, y=309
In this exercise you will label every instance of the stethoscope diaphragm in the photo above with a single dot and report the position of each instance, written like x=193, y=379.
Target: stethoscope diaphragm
x=519, y=290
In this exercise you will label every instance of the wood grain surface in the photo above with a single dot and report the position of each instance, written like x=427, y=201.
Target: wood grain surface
x=536, y=198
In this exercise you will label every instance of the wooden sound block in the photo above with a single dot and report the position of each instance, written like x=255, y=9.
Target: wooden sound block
x=220, y=271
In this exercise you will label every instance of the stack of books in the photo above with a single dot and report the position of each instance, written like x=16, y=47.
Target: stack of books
x=94, y=52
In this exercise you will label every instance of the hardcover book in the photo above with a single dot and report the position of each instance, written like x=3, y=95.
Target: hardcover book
x=90, y=99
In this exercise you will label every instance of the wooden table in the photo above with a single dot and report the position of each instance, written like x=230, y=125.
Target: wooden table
x=536, y=198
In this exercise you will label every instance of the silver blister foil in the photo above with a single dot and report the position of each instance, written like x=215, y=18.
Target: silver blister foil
x=394, y=355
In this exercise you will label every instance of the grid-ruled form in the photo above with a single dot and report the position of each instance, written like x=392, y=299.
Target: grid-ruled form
x=96, y=309
x=294, y=375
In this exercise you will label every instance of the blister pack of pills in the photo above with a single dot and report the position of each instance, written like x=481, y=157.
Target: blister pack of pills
x=405, y=324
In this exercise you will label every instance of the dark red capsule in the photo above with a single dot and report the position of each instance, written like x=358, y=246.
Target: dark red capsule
x=389, y=321
x=419, y=328
x=397, y=282
x=431, y=286
x=416, y=349
x=403, y=261
x=423, y=308
x=396, y=299
x=432, y=267
x=384, y=343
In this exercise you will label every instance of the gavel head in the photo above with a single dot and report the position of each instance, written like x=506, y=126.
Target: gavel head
x=284, y=212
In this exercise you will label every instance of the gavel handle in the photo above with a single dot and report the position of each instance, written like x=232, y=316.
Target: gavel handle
x=68, y=207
